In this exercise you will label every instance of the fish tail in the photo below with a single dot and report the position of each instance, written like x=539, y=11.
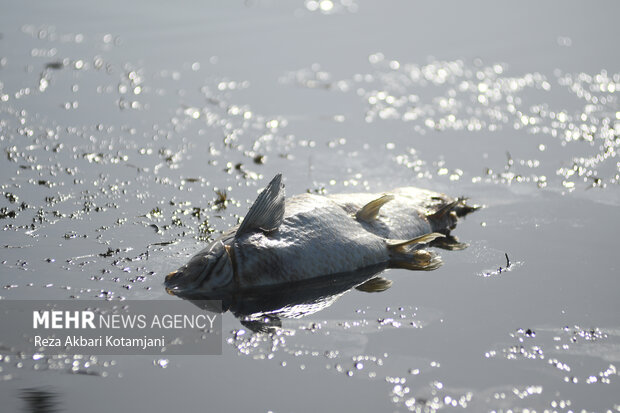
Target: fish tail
x=446, y=216
x=458, y=206
x=462, y=208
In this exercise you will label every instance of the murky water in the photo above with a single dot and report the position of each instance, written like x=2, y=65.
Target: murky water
x=134, y=131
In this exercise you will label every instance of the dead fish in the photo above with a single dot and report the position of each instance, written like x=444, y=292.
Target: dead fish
x=306, y=236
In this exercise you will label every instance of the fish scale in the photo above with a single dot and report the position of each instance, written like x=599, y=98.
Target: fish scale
x=307, y=236
x=322, y=240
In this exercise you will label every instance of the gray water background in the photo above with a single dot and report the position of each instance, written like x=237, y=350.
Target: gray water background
x=119, y=120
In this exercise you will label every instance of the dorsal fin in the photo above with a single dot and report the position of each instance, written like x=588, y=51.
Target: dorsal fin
x=399, y=245
x=267, y=212
x=370, y=211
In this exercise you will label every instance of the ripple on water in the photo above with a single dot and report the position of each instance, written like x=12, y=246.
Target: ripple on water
x=574, y=355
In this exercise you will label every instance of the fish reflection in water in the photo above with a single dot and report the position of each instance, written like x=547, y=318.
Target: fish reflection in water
x=262, y=308
x=293, y=257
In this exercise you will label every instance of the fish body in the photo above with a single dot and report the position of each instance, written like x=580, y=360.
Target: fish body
x=305, y=236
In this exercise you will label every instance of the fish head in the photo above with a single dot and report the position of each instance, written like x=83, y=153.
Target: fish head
x=209, y=270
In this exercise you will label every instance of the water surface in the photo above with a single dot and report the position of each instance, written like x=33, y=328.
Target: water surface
x=119, y=122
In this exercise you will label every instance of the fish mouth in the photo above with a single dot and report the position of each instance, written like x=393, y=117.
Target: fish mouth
x=167, y=280
x=172, y=274
x=185, y=278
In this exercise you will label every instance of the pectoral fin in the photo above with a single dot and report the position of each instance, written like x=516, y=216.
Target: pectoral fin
x=375, y=285
x=370, y=211
x=399, y=245
x=267, y=212
x=414, y=259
